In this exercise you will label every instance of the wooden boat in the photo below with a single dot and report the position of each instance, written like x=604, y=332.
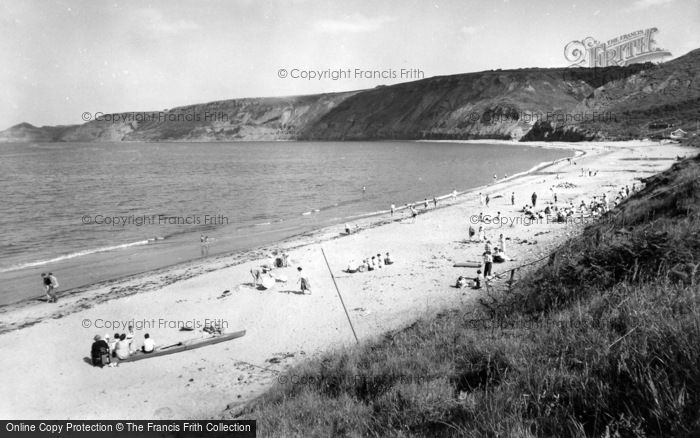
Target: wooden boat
x=184, y=346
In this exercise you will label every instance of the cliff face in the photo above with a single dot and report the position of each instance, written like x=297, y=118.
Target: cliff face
x=641, y=100
x=650, y=103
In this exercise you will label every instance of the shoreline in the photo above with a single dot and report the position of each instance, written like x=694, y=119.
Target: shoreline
x=283, y=327
x=237, y=253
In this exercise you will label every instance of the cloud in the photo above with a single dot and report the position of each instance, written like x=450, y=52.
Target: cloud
x=353, y=24
x=646, y=4
x=154, y=21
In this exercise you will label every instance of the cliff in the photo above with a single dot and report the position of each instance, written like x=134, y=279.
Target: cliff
x=616, y=103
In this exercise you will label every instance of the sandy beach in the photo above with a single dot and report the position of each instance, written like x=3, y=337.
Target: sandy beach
x=44, y=345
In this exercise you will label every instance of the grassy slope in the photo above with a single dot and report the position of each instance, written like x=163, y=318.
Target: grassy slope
x=602, y=341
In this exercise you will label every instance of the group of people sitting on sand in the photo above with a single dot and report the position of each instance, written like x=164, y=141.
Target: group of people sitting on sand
x=474, y=283
x=369, y=264
x=120, y=347
x=492, y=254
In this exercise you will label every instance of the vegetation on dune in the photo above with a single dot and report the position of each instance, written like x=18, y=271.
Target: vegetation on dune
x=601, y=341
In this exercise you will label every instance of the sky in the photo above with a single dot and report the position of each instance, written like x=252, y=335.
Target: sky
x=61, y=58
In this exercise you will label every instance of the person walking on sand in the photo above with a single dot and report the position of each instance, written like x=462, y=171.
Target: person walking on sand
x=534, y=199
x=46, y=281
x=304, y=283
x=481, y=199
x=434, y=202
x=512, y=198
x=488, y=199
x=425, y=203
x=414, y=213
x=53, y=287
x=392, y=210
x=502, y=242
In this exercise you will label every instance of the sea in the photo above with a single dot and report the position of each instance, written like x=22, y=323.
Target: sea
x=90, y=212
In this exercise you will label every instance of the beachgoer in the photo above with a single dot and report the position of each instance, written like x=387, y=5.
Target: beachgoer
x=534, y=199
x=414, y=213
x=130, y=335
x=379, y=260
x=257, y=276
x=364, y=266
x=99, y=353
x=148, y=344
x=481, y=217
x=392, y=209
x=425, y=203
x=477, y=280
x=482, y=235
x=512, y=198
x=434, y=202
x=498, y=217
x=113, y=344
x=495, y=177
x=488, y=199
x=304, y=283
x=388, y=260
x=373, y=263
x=498, y=257
x=502, y=242
x=347, y=229
x=364, y=189
x=461, y=282
x=481, y=199
x=555, y=198
x=454, y=194
x=488, y=246
x=121, y=350
x=488, y=263
x=47, y=287
x=472, y=232
x=53, y=288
